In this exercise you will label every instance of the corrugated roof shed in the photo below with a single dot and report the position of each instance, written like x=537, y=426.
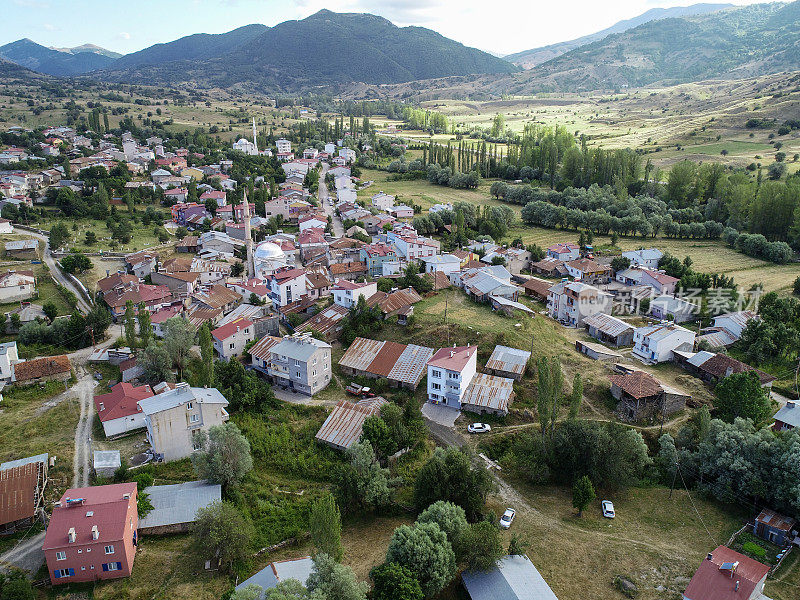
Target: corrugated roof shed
x=18, y=492
x=268, y=577
x=607, y=324
x=179, y=503
x=510, y=360
x=343, y=426
x=361, y=353
x=489, y=391
x=263, y=347
x=411, y=364
x=396, y=362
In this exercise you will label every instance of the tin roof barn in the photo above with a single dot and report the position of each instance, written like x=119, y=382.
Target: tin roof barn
x=488, y=394
x=106, y=462
x=508, y=362
x=400, y=364
x=175, y=506
x=343, y=426
x=609, y=330
x=271, y=575
x=514, y=578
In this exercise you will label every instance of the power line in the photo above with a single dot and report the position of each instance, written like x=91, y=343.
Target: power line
x=678, y=465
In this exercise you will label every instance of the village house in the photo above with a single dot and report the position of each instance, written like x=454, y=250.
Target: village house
x=261, y=354
x=279, y=571
x=39, y=370
x=301, y=363
x=727, y=575
x=92, y=534
x=349, y=270
x=538, y=289
x=726, y=328
x=670, y=308
x=775, y=528
x=9, y=356
x=450, y=372
x=23, y=249
x=142, y=263
x=564, y=252
x=656, y=343
x=173, y=417
x=571, y=302
x=444, y=263
x=788, y=417
x=347, y=293
x=382, y=201
x=16, y=286
x=402, y=365
x=118, y=410
x=641, y=396
x=374, y=255
x=609, y=329
x=181, y=284
x=647, y=258
x=588, y=271
x=318, y=285
x=286, y=285
x=508, y=362
x=217, y=297
x=231, y=339
x=327, y=323
x=488, y=394
x=513, y=578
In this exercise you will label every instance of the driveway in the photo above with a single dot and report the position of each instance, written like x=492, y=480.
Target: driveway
x=441, y=414
x=338, y=228
x=286, y=395
x=26, y=555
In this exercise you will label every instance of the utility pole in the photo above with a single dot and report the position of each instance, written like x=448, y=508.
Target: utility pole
x=447, y=329
x=674, y=475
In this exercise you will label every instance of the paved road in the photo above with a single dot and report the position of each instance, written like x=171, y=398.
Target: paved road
x=55, y=271
x=338, y=228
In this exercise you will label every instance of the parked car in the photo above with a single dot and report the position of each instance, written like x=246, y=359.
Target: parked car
x=507, y=518
x=608, y=509
x=479, y=428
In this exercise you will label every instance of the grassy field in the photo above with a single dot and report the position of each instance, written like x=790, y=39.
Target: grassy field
x=45, y=286
x=655, y=541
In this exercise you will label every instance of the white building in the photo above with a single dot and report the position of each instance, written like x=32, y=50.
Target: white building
x=284, y=146
x=16, y=286
x=302, y=363
x=570, y=303
x=412, y=247
x=444, y=263
x=246, y=146
x=656, y=343
x=736, y=322
x=450, y=372
x=8, y=358
x=383, y=201
x=287, y=285
x=231, y=339
x=268, y=257
x=348, y=154
x=648, y=258
x=330, y=148
x=346, y=293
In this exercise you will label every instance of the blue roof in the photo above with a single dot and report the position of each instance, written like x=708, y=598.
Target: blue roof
x=514, y=578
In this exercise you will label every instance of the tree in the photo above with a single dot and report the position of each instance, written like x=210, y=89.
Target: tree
x=17, y=588
x=550, y=382
x=245, y=390
x=129, y=319
x=206, y=356
x=220, y=527
x=76, y=263
x=481, y=546
x=325, y=524
x=178, y=340
x=250, y=592
x=620, y=263
x=576, y=397
x=424, y=550
x=582, y=494
x=516, y=547
x=451, y=475
x=376, y=432
x=225, y=455
x=237, y=269
x=334, y=581
x=156, y=363
x=741, y=395
x=59, y=234
x=50, y=311
x=362, y=483
x=145, y=326
x=450, y=518
x=392, y=581
x=291, y=589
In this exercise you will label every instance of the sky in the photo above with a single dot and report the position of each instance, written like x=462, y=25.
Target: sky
x=497, y=26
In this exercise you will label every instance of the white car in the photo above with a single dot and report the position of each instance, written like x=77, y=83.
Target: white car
x=507, y=518
x=479, y=428
x=608, y=509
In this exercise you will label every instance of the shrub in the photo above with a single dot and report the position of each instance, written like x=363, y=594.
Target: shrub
x=754, y=549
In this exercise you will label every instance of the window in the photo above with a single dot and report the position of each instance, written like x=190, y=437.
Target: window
x=436, y=386
x=453, y=375
x=59, y=573
x=61, y=556
x=315, y=362
x=325, y=368
x=114, y=566
x=188, y=406
x=194, y=418
x=296, y=363
x=109, y=549
x=231, y=346
x=436, y=373
x=297, y=374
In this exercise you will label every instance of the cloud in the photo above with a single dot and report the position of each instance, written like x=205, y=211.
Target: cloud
x=50, y=27
x=124, y=35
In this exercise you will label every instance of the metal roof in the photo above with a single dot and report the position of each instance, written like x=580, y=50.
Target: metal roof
x=397, y=362
x=39, y=458
x=511, y=360
x=262, y=349
x=514, y=578
x=361, y=353
x=179, y=503
x=718, y=339
x=607, y=324
x=299, y=347
x=18, y=492
x=325, y=322
x=107, y=459
x=343, y=426
x=180, y=395
x=410, y=366
x=489, y=391
x=268, y=577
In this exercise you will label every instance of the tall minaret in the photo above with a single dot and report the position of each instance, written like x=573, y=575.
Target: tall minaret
x=255, y=136
x=248, y=239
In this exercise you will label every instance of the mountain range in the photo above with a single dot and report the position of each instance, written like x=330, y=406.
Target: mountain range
x=327, y=49
x=528, y=59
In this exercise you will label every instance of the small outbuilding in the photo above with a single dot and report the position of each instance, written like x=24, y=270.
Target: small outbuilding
x=774, y=527
x=274, y=573
x=106, y=462
x=514, y=578
x=175, y=506
x=508, y=362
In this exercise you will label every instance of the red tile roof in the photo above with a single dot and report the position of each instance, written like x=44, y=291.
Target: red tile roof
x=637, y=384
x=344, y=268
x=227, y=330
x=121, y=401
x=453, y=359
x=46, y=366
x=108, y=506
x=711, y=582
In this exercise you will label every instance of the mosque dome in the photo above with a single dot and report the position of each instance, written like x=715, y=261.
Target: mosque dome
x=268, y=251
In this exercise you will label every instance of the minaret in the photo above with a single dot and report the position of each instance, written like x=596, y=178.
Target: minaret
x=255, y=136
x=248, y=239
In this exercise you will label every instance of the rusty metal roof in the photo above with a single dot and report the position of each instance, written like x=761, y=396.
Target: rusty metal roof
x=361, y=353
x=394, y=361
x=386, y=358
x=488, y=391
x=18, y=492
x=411, y=364
x=262, y=348
x=510, y=360
x=343, y=426
x=328, y=322
x=607, y=324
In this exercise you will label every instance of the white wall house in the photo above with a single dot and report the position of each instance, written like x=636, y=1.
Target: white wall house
x=346, y=293
x=648, y=257
x=571, y=303
x=445, y=263
x=16, y=286
x=450, y=372
x=283, y=146
x=230, y=339
x=8, y=358
x=287, y=285
x=656, y=343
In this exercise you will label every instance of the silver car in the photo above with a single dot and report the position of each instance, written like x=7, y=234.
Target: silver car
x=507, y=518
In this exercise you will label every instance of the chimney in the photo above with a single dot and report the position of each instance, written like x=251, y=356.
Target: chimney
x=790, y=404
x=710, y=556
x=95, y=532
x=71, y=535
